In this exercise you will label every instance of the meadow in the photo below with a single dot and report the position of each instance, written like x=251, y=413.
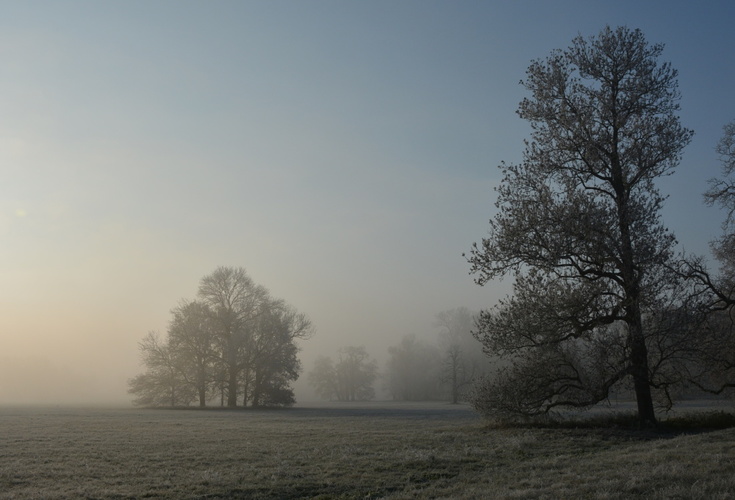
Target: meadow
x=380, y=450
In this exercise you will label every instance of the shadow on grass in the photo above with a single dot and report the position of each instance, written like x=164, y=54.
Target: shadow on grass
x=627, y=424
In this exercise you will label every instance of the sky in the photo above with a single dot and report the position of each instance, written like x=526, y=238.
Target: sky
x=343, y=153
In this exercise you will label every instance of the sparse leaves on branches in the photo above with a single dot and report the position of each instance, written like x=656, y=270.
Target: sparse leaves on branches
x=578, y=226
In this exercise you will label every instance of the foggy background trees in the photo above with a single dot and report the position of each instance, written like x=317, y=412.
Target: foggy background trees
x=463, y=361
x=440, y=365
x=234, y=341
x=236, y=345
x=350, y=378
x=413, y=370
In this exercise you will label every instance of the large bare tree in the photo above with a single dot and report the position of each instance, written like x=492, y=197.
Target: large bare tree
x=578, y=226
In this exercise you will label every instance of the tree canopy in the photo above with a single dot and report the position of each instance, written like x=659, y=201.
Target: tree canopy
x=578, y=226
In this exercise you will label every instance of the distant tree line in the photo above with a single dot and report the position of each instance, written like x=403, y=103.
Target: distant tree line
x=234, y=343
x=416, y=369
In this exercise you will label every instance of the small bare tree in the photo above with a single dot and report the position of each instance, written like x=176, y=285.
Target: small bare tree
x=463, y=358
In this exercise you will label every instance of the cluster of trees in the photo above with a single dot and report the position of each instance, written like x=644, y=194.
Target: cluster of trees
x=416, y=370
x=602, y=300
x=233, y=343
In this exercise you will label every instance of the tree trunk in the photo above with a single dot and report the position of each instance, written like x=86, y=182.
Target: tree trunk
x=631, y=279
x=455, y=388
x=202, y=386
x=246, y=386
x=639, y=360
x=232, y=371
x=257, y=389
x=639, y=371
x=637, y=344
x=455, y=376
x=232, y=388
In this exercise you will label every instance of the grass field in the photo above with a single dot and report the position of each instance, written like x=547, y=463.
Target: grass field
x=358, y=451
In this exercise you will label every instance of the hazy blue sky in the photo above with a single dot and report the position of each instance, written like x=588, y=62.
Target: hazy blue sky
x=344, y=153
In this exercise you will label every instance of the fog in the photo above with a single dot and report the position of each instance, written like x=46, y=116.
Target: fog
x=344, y=154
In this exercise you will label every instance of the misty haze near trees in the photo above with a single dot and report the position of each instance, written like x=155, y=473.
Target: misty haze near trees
x=603, y=303
x=436, y=367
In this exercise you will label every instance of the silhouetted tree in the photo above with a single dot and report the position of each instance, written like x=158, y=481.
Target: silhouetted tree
x=578, y=225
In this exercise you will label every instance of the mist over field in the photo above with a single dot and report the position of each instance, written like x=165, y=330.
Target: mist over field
x=344, y=154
